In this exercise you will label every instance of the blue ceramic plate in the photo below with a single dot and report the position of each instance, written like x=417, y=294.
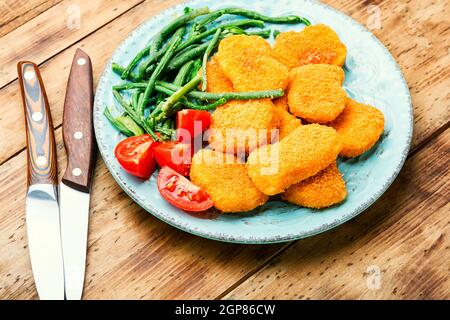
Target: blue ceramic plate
x=372, y=76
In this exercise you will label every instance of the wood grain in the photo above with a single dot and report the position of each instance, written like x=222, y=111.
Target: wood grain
x=14, y=13
x=39, y=127
x=78, y=128
x=54, y=30
x=405, y=237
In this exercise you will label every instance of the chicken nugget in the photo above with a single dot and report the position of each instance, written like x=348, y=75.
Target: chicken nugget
x=359, y=126
x=282, y=101
x=298, y=156
x=315, y=92
x=226, y=180
x=216, y=79
x=288, y=122
x=323, y=190
x=314, y=44
x=247, y=62
x=242, y=125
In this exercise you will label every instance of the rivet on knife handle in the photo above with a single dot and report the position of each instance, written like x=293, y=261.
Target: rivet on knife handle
x=42, y=165
x=78, y=130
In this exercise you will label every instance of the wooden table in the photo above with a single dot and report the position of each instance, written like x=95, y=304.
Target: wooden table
x=398, y=249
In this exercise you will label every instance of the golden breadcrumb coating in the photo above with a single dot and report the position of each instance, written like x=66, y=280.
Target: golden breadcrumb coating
x=242, y=125
x=314, y=44
x=247, y=62
x=288, y=122
x=316, y=93
x=323, y=190
x=216, y=79
x=226, y=180
x=359, y=126
x=298, y=156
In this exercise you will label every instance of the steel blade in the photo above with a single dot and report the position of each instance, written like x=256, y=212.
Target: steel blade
x=74, y=206
x=44, y=241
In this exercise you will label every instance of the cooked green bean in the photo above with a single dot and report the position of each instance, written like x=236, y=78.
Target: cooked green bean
x=118, y=69
x=117, y=124
x=223, y=26
x=191, y=54
x=291, y=19
x=136, y=59
x=148, y=66
x=212, y=45
x=159, y=69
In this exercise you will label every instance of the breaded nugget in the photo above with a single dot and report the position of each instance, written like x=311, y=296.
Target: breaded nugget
x=216, y=79
x=226, y=180
x=315, y=92
x=247, y=62
x=288, y=122
x=241, y=126
x=282, y=102
x=314, y=44
x=323, y=190
x=359, y=126
x=298, y=156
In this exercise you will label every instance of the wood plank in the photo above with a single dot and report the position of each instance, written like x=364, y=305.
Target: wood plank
x=54, y=30
x=428, y=97
x=99, y=46
x=404, y=237
x=131, y=254
x=14, y=13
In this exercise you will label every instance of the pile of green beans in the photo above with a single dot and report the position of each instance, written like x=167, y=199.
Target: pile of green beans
x=164, y=77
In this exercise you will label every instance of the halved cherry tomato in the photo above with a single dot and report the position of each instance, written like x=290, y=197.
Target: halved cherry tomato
x=191, y=123
x=182, y=193
x=174, y=155
x=135, y=155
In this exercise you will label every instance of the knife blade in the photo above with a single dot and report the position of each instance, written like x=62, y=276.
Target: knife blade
x=75, y=187
x=41, y=208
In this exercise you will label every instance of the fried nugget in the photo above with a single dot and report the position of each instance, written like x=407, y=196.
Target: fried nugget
x=298, y=156
x=226, y=180
x=282, y=102
x=359, y=126
x=247, y=62
x=242, y=125
x=216, y=79
x=323, y=190
x=314, y=44
x=315, y=92
x=288, y=122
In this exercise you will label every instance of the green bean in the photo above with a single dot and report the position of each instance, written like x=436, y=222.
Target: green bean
x=291, y=19
x=195, y=68
x=225, y=25
x=191, y=54
x=167, y=106
x=159, y=69
x=135, y=99
x=265, y=33
x=116, y=124
x=276, y=33
x=148, y=66
x=118, y=69
x=183, y=74
x=136, y=59
x=212, y=45
x=208, y=107
x=226, y=95
x=175, y=24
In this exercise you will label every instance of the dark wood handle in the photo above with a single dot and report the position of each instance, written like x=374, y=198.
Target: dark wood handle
x=78, y=132
x=41, y=149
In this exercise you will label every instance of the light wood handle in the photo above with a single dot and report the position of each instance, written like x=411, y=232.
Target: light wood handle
x=78, y=132
x=41, y=149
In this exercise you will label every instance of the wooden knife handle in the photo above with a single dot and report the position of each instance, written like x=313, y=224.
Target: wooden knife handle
x=78, y=131
x=41, y=148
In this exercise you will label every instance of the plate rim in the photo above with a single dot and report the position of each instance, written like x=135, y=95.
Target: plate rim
x=258, y=240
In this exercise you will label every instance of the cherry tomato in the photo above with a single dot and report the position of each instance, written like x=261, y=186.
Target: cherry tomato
x=182, y=193
x=174, y=155
x=191, y=123
x=135, y=155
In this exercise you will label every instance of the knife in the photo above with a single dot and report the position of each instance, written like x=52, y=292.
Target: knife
x=41, y=208
x=76, y=183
